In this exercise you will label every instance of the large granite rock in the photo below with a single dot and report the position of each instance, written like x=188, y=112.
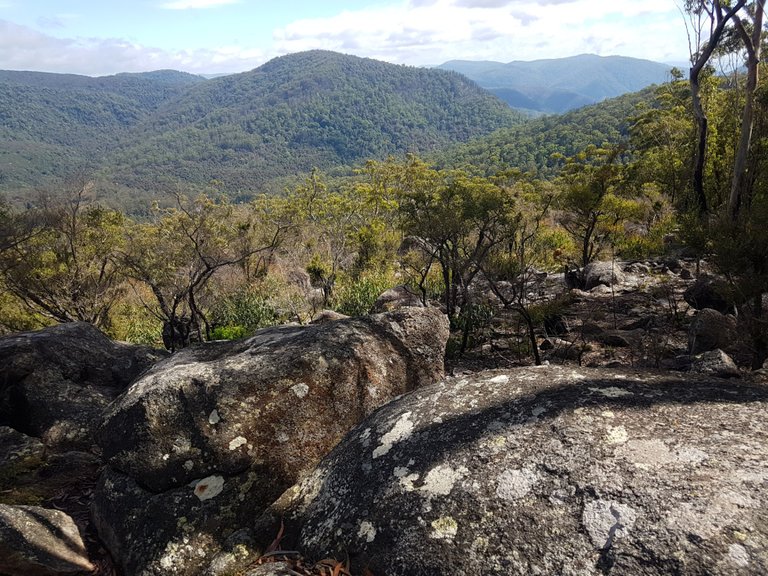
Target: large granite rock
x=211, y=436
x=712, y=330
x=545, y=471
x=602, y=273
x=55, y=382
x=37, y=541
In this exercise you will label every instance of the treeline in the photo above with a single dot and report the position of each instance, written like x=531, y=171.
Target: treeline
x=204, y=268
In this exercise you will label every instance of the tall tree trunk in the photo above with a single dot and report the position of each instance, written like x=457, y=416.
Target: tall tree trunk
x=698, y=62
x=741, y=186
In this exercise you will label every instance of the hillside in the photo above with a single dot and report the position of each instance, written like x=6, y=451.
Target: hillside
x=143, y=133
x=311, y=109
x=559, y=85
x=52, y=124
x=530, y=146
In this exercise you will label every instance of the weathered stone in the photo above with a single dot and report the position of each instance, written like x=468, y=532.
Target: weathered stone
x=602, y=273
x=15, y=447
x=214, y=433
x=545, y=471
x=615, y=338
x=710, y=330
x=36, y=541
x=55, y=382
x=396, y=298
x=328, y=316
x=716, y=363
x=710, y=292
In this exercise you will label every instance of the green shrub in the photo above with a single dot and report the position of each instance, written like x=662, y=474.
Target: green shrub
x=241, y=313
x=355, y=297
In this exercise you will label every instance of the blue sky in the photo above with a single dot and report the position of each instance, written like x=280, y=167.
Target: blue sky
x=98, y=37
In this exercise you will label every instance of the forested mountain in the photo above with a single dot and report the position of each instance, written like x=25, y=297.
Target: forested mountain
x=562, y=84
x=149, y=132
x=52, y=124
x=531, y=146
x=311, y=109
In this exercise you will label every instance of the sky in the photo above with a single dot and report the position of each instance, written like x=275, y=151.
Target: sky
x=102, y=37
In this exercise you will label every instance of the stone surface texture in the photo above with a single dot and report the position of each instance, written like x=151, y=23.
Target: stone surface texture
x=548, y=470
x=211, y=436
x=37, y=541
x=55, y=382
x=602, y=273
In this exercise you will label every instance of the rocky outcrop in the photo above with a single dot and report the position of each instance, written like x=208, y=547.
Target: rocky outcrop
x=545, y=471
x=602, y=273
x=209, y=437
x=36, y=541
x=711, y=330
x=710, y=292
x=54, y=383
x=716, y=363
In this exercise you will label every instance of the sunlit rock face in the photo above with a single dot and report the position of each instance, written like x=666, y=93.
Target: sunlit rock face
x=207, y=439
x=545, y=470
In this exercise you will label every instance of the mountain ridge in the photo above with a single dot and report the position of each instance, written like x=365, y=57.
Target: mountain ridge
x=557, y=85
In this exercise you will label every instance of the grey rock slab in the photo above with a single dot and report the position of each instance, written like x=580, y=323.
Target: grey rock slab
x=545, y=470
x=37, y=541
x=602, y=273
x=15, y=446
x=710, y=330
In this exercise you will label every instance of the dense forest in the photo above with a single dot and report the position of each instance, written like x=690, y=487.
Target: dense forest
x=140, y=134
x=441, y=187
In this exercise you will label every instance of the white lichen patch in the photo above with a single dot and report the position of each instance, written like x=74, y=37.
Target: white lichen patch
x=214, y=418
x=501, y=379
x=538, y=410
x=365, y=438
x=612, y=392
x=188, y=465
x=400, y=431
x=405, y=479
x=444, y=528
x=616, y=435
x=441, y=479
x=607, y=414
x=738, y=555
x=209, y=487
x=515, y=484
x=300, y=389
x=235, y=443
x=367, y=531
x=607, y=521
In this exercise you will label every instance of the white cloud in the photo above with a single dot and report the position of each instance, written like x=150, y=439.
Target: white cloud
x=196, y=4
x=22, y=48
x=417, y=32
x=433, y=31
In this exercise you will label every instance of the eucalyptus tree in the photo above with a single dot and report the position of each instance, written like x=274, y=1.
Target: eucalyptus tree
x=60, y=258
x=178, y=252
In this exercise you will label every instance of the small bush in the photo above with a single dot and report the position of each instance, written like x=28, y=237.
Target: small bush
x=355, y=297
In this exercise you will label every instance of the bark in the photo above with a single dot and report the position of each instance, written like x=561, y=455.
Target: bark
x=741, y=185
x=699, y=61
